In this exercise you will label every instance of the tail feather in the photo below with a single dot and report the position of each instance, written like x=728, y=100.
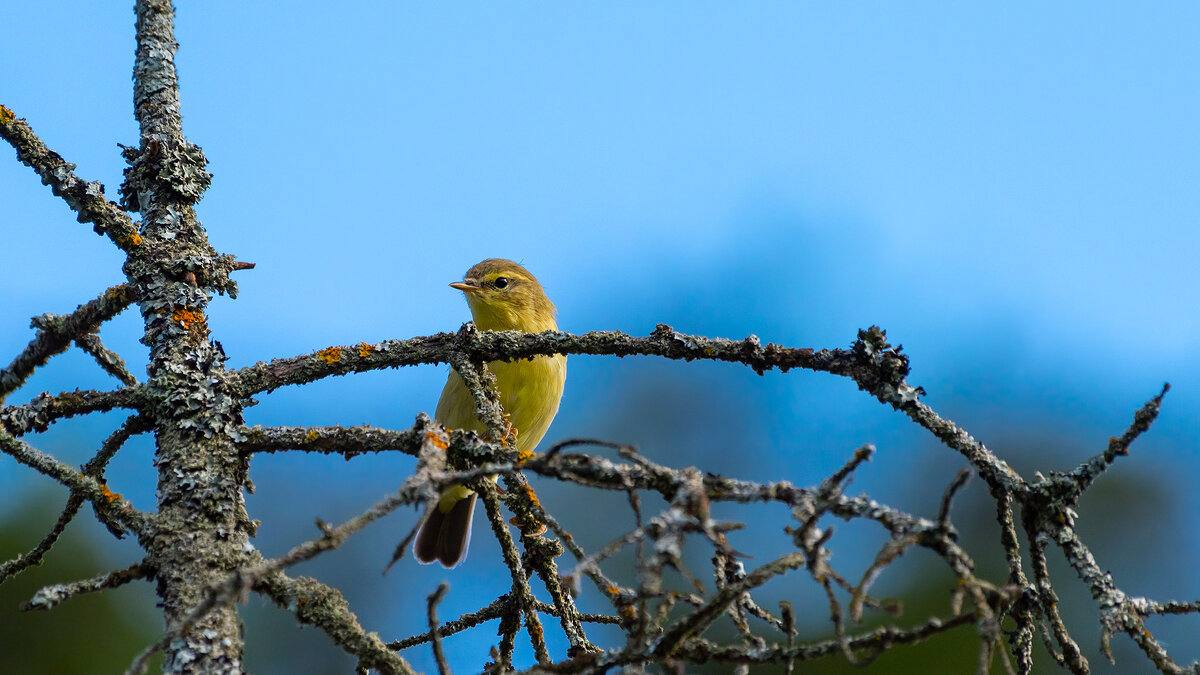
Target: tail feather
x=444, y=537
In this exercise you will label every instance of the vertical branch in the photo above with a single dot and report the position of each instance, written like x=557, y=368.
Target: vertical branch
x=439, y=655
x=203, y=528
x=522, y=595
x=539, y=555
x=1023, y=612
x=1048, y=601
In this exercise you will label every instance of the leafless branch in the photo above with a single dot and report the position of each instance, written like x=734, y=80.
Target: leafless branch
x=50, y=596
x=86, y=199
x=94, y=469
x=110, y=505
x=438, y=655
x=45, y=409
x=55, y=333
x=110, y=361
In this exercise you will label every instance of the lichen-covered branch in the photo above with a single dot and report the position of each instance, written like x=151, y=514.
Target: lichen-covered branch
x=346, y=441
x=55, y=333
x=881, y=367
x=202, y=531
x=50, y=596
x=110, y=361
x=110, y=505
x=45, y=409
x=439, y=655
x=499, y=607
x=94, y=469
x=319, y=605
x=85, y=198
x=524, y=602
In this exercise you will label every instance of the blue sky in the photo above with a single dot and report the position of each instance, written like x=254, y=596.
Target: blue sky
x=1010, y=191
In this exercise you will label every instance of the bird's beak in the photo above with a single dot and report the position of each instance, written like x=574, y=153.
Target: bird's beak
x=466, y=286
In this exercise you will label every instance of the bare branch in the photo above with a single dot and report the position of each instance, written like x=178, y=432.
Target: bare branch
x=44, y=409
x=1117, y=611
x=960, y=479
x=883, y=367
x=347, y=441
x=318, y=605
x=495, y=610
x=695, y=623
x=55, y=333
x=1087, y=472
x=95, y=469
x=110, y=361
x=521, y=592
x=703, y=651
x=50, y=596
x=86, y=199
x=110, y=504
x=438, y=655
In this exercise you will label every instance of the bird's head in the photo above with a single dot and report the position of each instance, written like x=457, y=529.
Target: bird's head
x=505, y=296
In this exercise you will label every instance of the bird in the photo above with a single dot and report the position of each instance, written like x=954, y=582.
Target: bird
x=502, y=295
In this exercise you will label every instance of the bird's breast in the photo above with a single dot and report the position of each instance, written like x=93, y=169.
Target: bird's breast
x=530, y=391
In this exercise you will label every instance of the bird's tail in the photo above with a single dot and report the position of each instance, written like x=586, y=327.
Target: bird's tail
x=445, y=536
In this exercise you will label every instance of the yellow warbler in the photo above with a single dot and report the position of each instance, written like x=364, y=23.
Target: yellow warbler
x=503, y=296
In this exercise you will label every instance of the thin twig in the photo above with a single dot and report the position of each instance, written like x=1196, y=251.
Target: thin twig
x=110, y=361
x=50, y=596
x=438, y=655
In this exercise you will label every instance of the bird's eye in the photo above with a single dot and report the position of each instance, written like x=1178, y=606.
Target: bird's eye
x=500, y=282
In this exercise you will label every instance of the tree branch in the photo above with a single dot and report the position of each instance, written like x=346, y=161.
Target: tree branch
x=55, y=333
x=878, y=366
x=44, y=409
x=50, y=596
x=109, y=504
x=95, y=469
x=86, y=199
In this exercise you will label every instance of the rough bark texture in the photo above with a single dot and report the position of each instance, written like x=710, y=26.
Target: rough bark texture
x=202, y=527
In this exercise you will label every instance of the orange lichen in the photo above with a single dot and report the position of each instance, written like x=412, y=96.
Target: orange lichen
x=365, y=350
x=628, y=612
x=109, y=495
x=525, y=455
x=311, y=436
x=531, y=495
x=330, y=354
x=185, y=317
x=118, y=293
x=6, y=115
x=134, y=239
x=436, y=440
x=612, y=590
